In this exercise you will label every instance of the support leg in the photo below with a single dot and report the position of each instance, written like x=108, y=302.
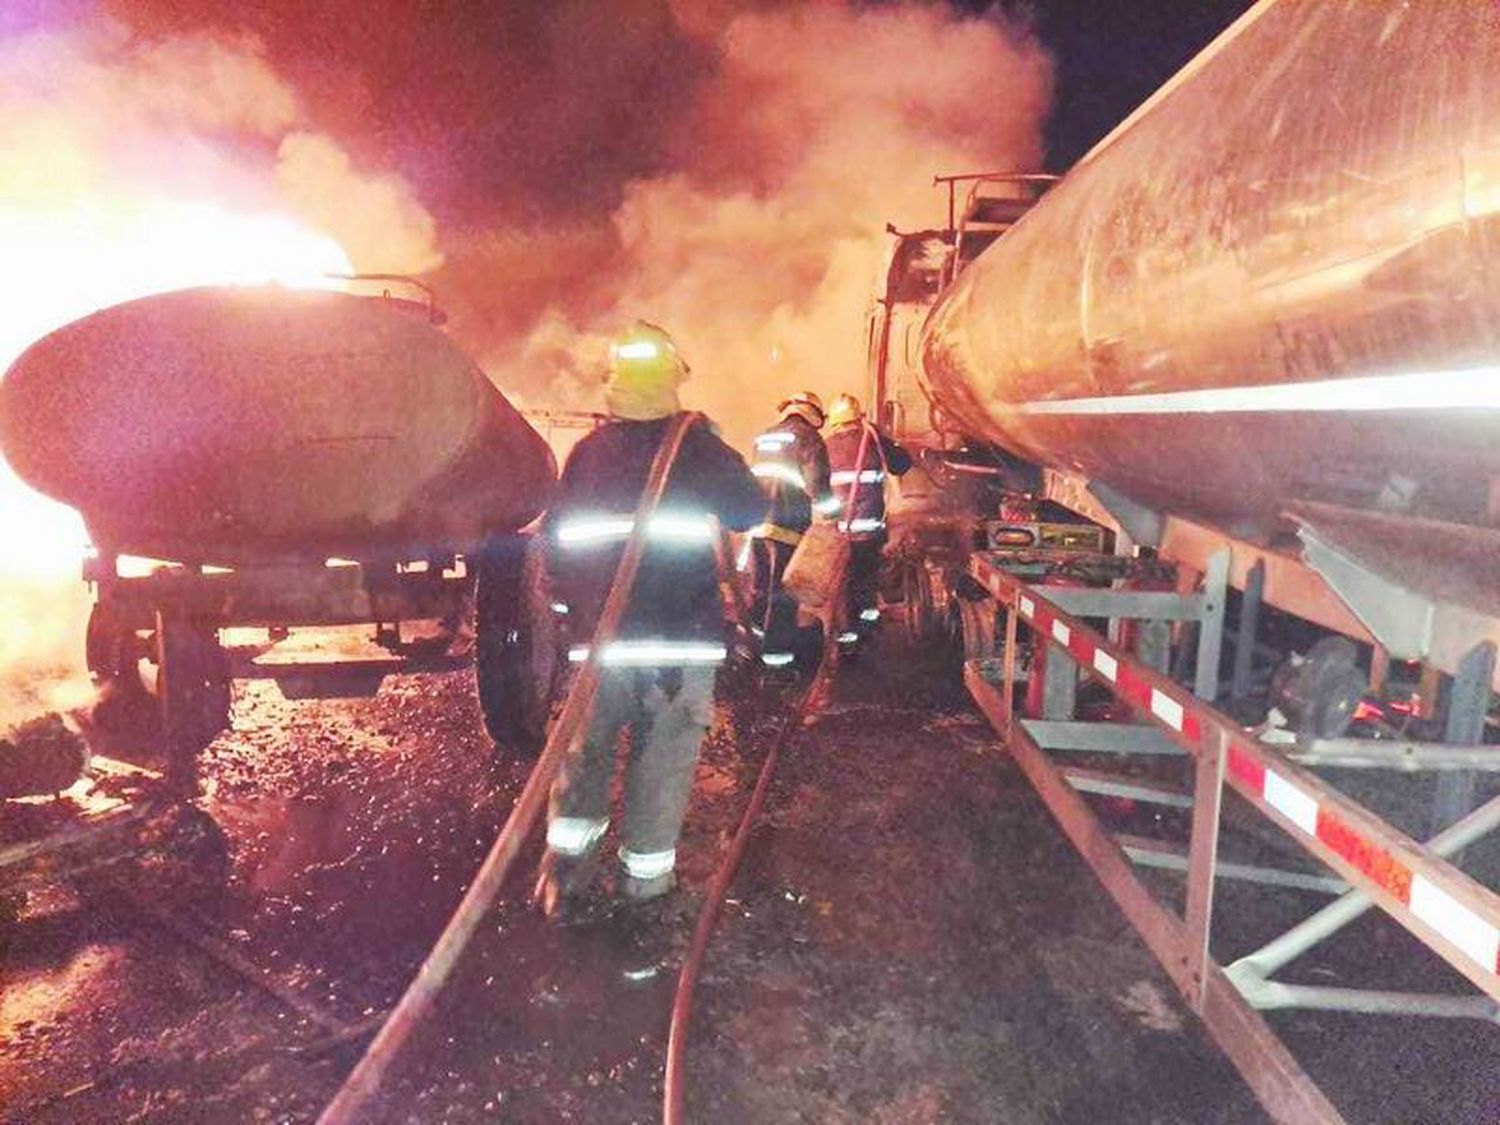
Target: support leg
x=1249, y=627
x=1211, y=627
x=1203, y=856
x=1468, y=701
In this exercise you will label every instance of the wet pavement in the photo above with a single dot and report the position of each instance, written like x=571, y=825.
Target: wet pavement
x=909, y=940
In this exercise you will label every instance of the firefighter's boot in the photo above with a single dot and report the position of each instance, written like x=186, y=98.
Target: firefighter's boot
x=649, y=925
x=636, y=891
x=566, y=886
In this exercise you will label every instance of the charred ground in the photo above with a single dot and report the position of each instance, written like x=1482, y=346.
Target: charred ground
x=910, y=940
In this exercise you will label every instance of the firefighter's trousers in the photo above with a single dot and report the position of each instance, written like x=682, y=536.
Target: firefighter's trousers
x=665, y=712
x=774, y=611
x=862, y=589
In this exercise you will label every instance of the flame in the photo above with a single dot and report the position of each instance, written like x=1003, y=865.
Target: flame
x=66, y=263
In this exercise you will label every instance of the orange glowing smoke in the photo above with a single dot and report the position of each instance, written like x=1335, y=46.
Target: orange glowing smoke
x=136, y=165
x=761, y=242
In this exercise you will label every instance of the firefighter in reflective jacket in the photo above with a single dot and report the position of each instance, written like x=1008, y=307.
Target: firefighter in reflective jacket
x=658, y=674
x=860, y=458
x=792, y=465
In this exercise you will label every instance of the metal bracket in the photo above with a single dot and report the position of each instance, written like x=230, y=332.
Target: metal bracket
x=1144, y=525
x=1246, y=631
x=1399, y=619
x=1272, y=995
x=1100, y=738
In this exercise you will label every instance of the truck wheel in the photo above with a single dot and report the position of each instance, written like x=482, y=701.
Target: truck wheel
x=918, y=611
x=112, y=651
x=192, y=690
x=977, y=620
x=515, y=645
x=911, y=606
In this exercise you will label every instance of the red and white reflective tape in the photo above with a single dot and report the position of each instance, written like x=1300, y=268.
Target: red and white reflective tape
x=1475, y=936
x=1106, y=665
x=1164, y=705
x=1478, y=938
x=1456, y=922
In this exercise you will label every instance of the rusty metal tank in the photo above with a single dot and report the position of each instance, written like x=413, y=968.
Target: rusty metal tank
x=231, y=426
x=1273, y=291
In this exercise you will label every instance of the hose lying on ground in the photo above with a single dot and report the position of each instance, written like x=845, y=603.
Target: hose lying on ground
x=692, y=963
x=350, y=1106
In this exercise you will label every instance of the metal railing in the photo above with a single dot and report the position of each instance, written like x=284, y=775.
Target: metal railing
x=1448, y=911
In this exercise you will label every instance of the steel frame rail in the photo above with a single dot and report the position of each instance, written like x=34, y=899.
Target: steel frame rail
x=1452, y=914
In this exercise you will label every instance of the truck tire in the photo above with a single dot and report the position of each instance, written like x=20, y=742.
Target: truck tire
x=112, y=651
x=923, y=611
x=977, y=624
x=515, y=645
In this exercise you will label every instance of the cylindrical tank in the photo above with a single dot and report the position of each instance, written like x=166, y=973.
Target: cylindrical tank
x=237, y=425
x=1277, y=283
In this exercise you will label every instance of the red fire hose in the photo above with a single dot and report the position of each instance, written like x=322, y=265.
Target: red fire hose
x=692, y=964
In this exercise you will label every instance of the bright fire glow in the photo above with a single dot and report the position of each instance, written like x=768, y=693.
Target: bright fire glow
x=64, y=263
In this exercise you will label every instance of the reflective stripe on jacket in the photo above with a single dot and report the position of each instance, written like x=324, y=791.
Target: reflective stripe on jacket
x=865, y=516
x=792, y=465
x=676, y=597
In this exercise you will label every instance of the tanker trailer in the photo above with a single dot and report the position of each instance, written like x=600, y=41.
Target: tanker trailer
x=285, y=458
x=1267, y=304
x=1257, y=329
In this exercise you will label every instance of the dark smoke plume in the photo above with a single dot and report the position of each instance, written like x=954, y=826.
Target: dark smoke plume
x=724, y=167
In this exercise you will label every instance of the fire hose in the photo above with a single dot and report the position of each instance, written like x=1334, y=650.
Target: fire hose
x=811, y=700
x=692, y=963
x=350, y=1104
x=365, y=1081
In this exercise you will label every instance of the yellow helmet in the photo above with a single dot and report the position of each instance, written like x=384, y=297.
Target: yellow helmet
x=806, y=405
x=844, y=411
x=645, y=370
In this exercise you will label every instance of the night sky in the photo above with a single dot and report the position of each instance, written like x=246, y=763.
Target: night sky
x=1111, y=56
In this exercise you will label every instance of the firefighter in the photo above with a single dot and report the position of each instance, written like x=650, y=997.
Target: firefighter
x=792, y=464
x=658, y=675
x=860, y=458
